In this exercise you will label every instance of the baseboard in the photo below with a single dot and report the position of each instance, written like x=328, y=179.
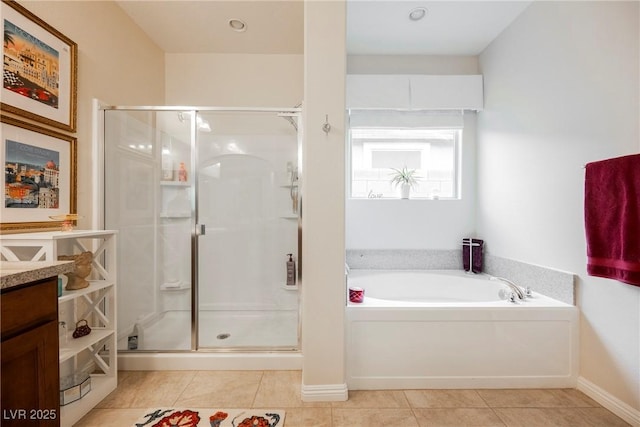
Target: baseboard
x=324, y=393
x=209, y=361
x=612, y=403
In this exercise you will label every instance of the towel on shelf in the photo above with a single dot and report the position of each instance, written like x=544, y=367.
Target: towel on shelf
x=476, y=254
x=612, y=218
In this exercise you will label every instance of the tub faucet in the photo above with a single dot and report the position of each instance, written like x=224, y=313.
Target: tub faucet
x=515, y=288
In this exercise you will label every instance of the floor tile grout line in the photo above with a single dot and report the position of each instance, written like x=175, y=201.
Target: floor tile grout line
x=193, y=377
x=482, y=398
x=504, y=423
x=415, y=416
x=255, y=395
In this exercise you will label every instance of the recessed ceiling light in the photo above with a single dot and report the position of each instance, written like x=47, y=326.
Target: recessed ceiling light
x=418, y=13
x=237, y=25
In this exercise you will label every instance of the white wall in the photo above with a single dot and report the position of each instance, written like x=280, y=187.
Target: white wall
x=234, y=80
x=416, y=224
x=562, y=89
x=323, y=281
x=108, y=46
x=411, y=64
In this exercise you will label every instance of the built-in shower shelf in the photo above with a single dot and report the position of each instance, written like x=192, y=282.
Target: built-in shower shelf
x=288, y=185
x=289, y=216
x=175, y=214
x=182, y=287
x=175, y=184
x=290, y=288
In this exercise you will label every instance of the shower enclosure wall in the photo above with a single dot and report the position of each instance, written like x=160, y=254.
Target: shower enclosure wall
x=207, y=204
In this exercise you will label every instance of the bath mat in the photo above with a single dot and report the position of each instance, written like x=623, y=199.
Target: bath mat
x=210, y=417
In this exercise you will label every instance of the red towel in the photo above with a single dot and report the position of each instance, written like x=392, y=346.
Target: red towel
x=612, y=218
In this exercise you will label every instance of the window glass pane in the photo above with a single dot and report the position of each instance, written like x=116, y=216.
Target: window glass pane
x=375, y=152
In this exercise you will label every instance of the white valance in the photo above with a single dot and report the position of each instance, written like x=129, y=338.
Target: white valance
x=415, y=92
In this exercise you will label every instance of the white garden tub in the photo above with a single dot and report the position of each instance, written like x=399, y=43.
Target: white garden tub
x=448, y=329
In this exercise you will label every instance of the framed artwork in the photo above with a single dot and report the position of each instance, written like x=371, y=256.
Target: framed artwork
x=39, y=69
x=40, y=176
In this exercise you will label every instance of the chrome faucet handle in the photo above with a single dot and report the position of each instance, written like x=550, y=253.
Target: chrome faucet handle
x=504, y=294
x=527, y=292
x=514, y=288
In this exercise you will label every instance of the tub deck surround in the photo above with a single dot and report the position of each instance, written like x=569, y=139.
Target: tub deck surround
x=547, y=281
x=436, y=289
x=404, y=259
x=553, y=283
x=486, y=343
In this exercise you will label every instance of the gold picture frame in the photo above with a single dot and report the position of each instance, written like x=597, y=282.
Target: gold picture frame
x=39, y=69
x=40, y=176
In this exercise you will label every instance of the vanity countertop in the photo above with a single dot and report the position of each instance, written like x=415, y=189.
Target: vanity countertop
x=14, y=273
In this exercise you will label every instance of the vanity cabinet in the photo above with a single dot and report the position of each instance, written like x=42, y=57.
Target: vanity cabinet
x=29, y=349
x=94, y=354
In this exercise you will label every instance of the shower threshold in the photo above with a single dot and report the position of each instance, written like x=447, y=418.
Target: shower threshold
x=258, y=340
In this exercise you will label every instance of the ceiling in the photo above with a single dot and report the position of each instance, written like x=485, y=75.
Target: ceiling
x=449, y=27
x=374, y=27
x=187, y=26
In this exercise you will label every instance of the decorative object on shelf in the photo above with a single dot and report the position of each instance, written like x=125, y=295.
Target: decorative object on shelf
x=68, y=220
x=82, y=270
x=406, y=178
x=356, y=294
x=74, y=387
x=82, y=329
x=40, y=175
x=45, y=89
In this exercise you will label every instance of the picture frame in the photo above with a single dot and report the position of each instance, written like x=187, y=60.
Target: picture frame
x=40, y=176
x=39, y=69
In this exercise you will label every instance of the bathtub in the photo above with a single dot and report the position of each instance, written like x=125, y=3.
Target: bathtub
x=448, y=329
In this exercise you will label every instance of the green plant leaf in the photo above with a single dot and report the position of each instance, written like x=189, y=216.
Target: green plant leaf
x=404, y=176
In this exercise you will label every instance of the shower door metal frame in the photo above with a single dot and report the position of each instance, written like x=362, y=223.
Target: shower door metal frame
x=294, y=112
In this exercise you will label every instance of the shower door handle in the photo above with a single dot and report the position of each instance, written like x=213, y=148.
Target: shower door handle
x=201, y=229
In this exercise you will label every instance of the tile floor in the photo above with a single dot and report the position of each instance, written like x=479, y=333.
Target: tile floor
x=385, y=408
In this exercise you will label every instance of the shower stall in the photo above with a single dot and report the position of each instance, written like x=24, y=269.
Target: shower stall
x=207, y=203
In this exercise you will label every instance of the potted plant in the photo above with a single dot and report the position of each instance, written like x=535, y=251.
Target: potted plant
x=405, y=178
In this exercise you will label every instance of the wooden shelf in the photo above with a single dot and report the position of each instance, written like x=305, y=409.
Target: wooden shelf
x=96, y=302
x=94, y=285
x=74, y=346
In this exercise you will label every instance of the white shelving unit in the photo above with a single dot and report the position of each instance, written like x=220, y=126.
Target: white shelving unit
x=96, y=303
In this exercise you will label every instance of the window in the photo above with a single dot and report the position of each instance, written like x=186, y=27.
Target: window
x=433, y=152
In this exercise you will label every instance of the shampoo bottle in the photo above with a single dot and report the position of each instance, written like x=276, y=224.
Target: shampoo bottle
x=291, y=271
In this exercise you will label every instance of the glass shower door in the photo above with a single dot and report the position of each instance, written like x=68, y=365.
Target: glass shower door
x=149, y=202
x=247, y=215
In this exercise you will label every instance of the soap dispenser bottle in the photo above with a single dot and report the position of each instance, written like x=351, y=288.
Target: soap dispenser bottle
x=291, y=271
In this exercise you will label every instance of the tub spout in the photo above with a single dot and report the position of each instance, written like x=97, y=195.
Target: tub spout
x=515, y=288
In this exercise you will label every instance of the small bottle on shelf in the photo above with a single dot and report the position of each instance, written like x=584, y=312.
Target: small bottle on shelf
x=182, y=173
x=167, y=168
